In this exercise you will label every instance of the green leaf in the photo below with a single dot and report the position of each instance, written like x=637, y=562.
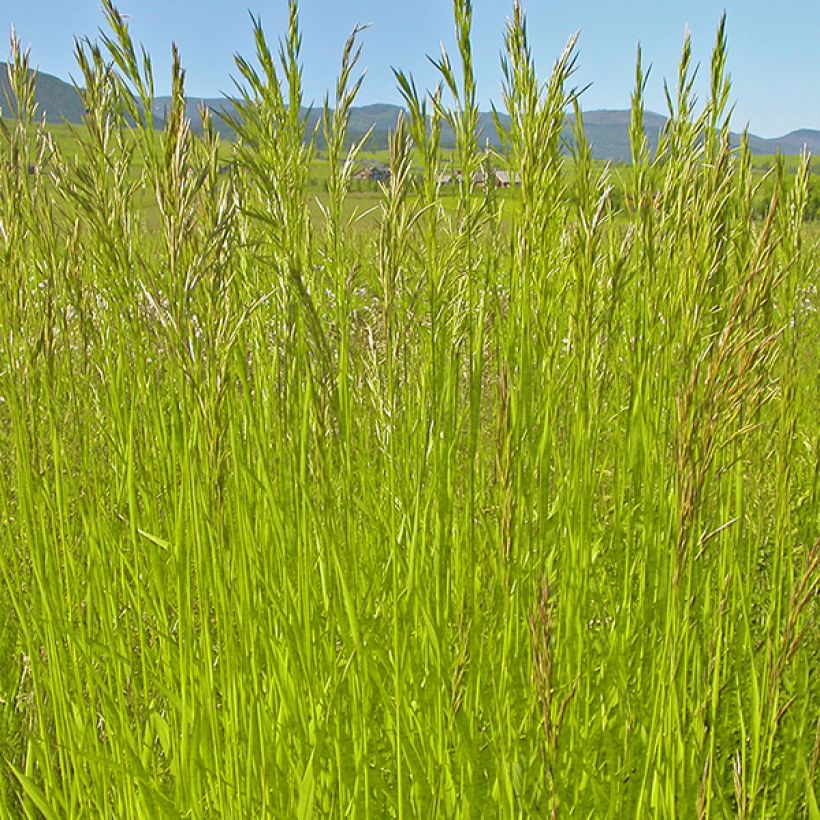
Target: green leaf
x=306, y=792
x=36, y=794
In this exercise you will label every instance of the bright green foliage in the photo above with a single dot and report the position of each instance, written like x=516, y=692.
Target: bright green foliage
x=506, y=508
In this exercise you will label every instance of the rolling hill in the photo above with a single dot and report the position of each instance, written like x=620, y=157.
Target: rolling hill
x=55, y=98
x=607, y=131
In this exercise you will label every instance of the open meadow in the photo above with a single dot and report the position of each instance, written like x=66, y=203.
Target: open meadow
x=491, y=503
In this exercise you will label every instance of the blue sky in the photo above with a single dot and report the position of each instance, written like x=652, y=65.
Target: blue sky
x=773, y=48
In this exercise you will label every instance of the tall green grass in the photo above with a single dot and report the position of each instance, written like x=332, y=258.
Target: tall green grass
x=495, y=509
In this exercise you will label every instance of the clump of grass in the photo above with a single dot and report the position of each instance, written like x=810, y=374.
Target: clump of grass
x=502, y=505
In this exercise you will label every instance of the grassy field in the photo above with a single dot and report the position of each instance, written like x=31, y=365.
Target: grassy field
x=500, y=504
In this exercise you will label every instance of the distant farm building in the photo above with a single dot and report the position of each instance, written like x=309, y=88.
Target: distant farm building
x=375, y=172
x=449, y=178
x=504, y=179
x=498, y=179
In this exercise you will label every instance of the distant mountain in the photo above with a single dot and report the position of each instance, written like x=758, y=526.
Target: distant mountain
x=216, y=105
x=791, y=143
x=55, y=98
x=607, y=131
x=381, y=116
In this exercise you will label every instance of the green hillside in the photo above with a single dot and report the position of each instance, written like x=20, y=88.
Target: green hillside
x=607, y=131
x=55, y=98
